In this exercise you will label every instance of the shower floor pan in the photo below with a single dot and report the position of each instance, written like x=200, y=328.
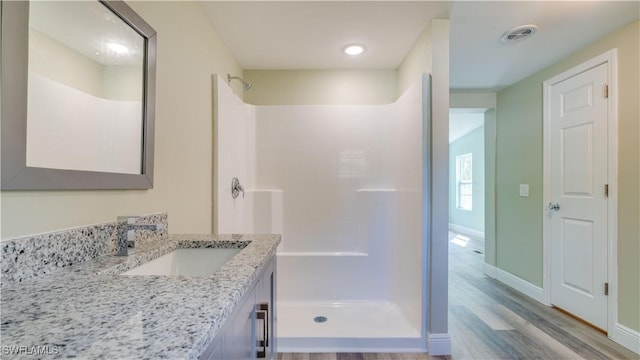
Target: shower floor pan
x=361, y=326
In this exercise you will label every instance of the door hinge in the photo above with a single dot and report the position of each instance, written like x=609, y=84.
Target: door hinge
x=606, y=289
x=606, y=190
x=606, y=91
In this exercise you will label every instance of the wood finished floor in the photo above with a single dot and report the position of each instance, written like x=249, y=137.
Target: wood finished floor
x=488, y=320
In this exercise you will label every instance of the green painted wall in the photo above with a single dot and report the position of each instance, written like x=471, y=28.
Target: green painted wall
x=472, y=143
x=519, y=161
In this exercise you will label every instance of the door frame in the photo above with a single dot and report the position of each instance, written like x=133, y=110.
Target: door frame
x=610, y=58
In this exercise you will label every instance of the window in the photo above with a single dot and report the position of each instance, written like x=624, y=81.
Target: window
x=464, y=177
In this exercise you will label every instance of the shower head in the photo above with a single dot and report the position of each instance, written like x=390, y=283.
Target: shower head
x=246, y=86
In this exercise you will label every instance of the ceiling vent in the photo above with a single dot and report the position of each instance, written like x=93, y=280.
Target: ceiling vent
x=519, y=33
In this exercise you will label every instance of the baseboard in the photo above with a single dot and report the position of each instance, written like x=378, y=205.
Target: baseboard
x=520, y=285
x=626, y=337
x=439, y=344
x=467, y=231
x=490, y=270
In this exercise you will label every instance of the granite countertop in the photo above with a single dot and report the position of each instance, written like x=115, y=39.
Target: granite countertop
x=88, y=311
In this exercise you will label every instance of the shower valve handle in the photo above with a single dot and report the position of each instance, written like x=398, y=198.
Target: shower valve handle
x=236, y=188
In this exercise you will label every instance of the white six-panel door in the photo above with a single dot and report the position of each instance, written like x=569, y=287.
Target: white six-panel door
x=578, y=208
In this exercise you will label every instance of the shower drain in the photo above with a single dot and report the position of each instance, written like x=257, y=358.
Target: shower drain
x=320, y=319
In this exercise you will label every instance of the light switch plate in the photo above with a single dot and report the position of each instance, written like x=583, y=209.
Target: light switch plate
x=524, y=190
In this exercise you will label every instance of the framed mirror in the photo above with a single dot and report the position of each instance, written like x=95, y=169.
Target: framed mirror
x=78, y=96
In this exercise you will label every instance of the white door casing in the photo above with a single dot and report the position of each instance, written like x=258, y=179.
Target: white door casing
x=578, y=129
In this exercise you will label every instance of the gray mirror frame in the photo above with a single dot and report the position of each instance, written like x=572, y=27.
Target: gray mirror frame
x=13, y=109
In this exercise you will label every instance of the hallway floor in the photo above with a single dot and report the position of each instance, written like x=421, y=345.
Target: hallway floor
x=488, y=320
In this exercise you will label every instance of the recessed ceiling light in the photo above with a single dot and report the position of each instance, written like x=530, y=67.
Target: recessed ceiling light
x=118, y=48
x=519, y=33
x=353, y=49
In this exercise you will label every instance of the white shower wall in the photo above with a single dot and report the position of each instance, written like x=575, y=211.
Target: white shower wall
x=234, y=156
x=108, y=130
x=407, y=264
x=343, y=185
x=351, y=178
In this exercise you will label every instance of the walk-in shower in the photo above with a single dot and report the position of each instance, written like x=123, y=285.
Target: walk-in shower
x=343, y=185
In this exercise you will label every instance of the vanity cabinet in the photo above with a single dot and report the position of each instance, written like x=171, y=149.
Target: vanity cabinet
x=266, y=313
x=249, y=332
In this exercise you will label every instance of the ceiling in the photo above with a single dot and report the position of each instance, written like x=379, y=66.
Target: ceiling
x=310, y=34
x=478, y=59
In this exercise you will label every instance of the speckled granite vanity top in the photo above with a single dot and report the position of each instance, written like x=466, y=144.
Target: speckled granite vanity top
x=88, y=311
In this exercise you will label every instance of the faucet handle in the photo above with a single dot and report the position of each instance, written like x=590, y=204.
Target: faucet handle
x=236, y=188
x=131, y=220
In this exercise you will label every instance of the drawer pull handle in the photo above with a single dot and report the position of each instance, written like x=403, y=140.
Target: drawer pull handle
x=262, y=313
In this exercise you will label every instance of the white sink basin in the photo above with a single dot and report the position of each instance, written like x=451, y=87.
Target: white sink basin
x=187, y=262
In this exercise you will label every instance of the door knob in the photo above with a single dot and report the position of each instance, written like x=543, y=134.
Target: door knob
x=553, y=207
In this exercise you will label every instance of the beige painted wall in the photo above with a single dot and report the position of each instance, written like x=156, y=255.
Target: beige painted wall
x=122, y=82
x=519, y=134
x=321, y=87
x=418, y=60
x=56, y=61
x=189, y=52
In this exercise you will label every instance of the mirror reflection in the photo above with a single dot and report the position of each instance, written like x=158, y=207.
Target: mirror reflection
x=85, y=89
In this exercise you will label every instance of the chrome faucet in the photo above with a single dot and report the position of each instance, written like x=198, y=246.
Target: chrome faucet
x=126, y=227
